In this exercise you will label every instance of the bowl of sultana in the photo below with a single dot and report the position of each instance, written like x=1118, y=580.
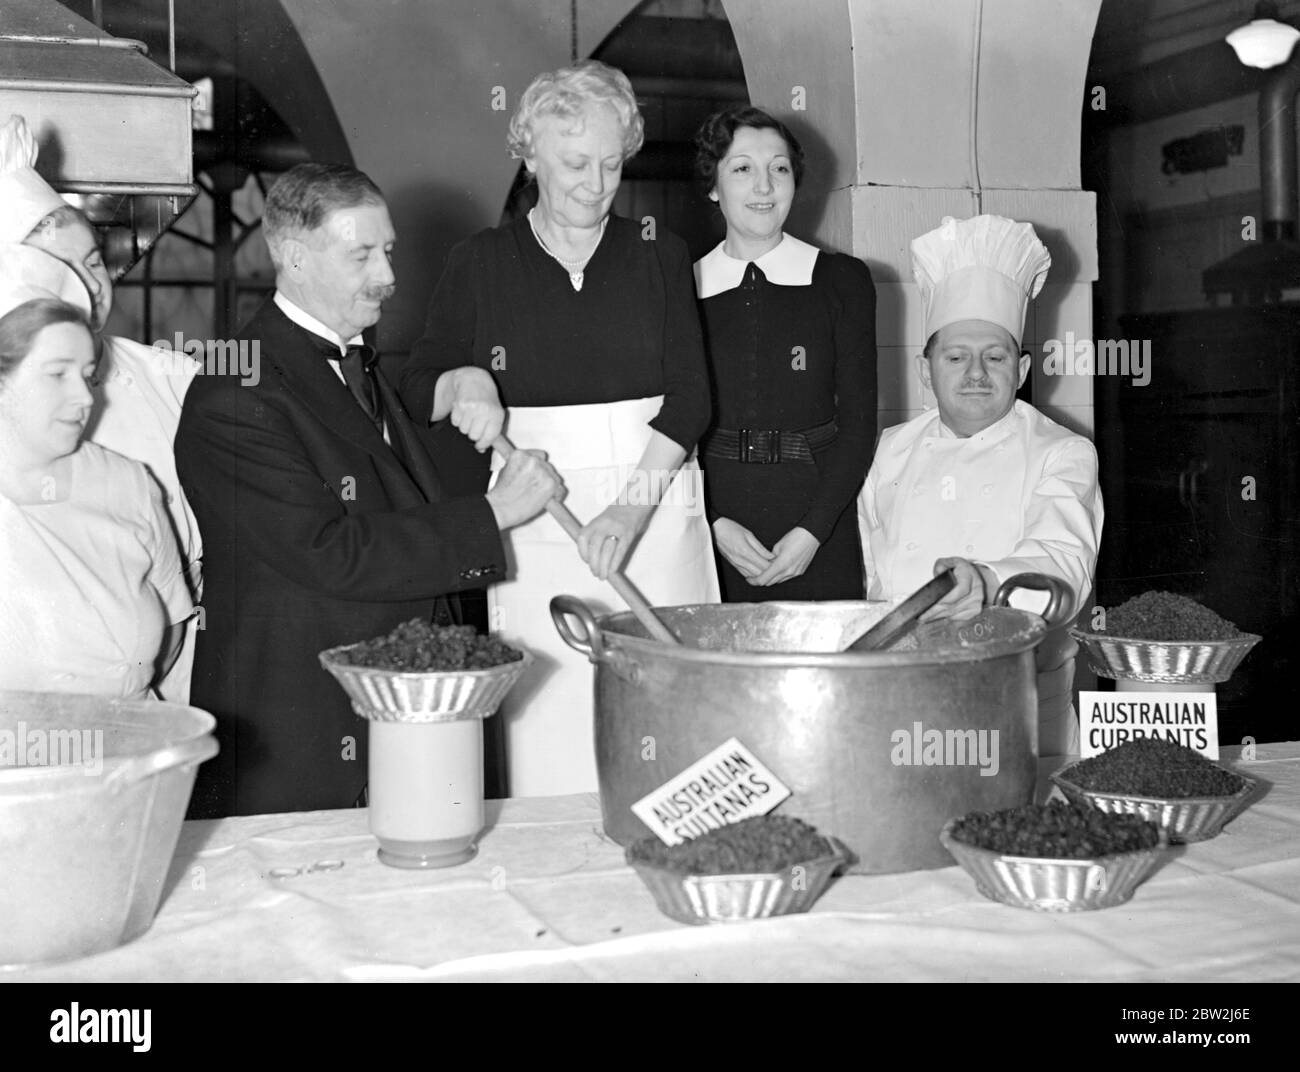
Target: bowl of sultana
x=425, y=690
x=421, y=672
x=1190, y=797
x=1055, y=857
x=1163, y=637
x=767, y=865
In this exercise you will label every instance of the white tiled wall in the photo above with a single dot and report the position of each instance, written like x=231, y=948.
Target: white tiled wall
x=900, y=319
x=1061, y=310
x=887, y=218
x=898, y=385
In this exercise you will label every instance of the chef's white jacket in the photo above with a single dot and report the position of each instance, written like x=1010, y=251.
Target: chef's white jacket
x=138, y=402
x=1020, y=497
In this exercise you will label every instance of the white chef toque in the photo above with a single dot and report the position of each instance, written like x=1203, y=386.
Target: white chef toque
x=984, y=268
x=27, y=273
x=25, y=197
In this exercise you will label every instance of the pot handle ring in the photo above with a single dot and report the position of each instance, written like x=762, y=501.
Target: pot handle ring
x=591, y=642
x=1060, y=605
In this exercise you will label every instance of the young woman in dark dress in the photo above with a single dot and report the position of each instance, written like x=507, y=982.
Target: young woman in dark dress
x=791, y=341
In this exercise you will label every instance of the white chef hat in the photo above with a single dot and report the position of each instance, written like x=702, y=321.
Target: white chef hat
x=25, y=197
x=984, y=268
x=27, y=273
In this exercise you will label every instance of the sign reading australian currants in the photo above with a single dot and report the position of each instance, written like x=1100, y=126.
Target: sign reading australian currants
x=725, y=786
x=1108, y=719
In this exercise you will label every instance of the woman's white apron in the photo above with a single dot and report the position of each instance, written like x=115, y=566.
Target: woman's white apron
x=548, y=715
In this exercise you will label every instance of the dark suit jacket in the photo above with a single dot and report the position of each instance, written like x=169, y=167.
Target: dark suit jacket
x=314, y=535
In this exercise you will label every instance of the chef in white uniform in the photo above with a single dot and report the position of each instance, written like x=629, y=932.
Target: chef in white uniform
x=138, y=390
x=986, y=484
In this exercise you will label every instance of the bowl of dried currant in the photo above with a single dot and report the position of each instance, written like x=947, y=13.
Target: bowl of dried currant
x=1189, y=796
x=1055, y=857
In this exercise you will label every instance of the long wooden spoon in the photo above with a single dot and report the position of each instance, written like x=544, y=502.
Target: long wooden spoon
x=901, y=619
x=635, y=600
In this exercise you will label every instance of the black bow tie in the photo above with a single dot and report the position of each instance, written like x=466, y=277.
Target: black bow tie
x=357, y=366
x=360, y=353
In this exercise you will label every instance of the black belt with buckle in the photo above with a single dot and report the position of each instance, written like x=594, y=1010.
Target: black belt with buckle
x=769, y=446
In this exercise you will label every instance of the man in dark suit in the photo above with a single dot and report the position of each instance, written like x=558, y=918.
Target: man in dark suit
x=322, y=513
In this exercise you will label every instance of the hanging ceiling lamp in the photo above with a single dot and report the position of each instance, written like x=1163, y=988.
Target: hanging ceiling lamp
x=1264, y=41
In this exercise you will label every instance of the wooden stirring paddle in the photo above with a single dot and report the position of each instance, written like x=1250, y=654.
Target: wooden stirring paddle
x=635, y=600
x=901, y=619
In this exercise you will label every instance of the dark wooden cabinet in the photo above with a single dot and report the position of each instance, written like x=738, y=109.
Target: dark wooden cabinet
x=1199, y=478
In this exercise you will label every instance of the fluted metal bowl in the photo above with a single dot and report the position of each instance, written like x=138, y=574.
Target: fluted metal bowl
x=429, y=696
x=699, y=899
x=1046, y=884
x=1181, y=818
x=1184, y=662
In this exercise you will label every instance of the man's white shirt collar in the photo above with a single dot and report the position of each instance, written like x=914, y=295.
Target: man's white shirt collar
x=308, y=322
x=787, y=264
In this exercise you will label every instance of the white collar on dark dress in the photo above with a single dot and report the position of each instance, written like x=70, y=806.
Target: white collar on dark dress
x=787, y=264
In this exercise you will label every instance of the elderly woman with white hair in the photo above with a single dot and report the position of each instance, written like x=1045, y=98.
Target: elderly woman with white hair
x=587, y=322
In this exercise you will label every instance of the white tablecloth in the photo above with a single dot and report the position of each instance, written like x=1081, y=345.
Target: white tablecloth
x=549, y=898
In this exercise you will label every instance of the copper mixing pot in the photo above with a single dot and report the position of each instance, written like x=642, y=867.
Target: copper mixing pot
x=879, y=749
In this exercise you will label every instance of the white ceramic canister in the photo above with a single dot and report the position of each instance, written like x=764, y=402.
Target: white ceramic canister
x=426, y=791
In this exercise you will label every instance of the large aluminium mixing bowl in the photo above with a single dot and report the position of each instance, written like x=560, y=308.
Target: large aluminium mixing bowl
x=93, y=792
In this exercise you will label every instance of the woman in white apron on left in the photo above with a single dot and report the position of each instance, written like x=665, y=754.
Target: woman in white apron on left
x=587, y=322
x=92, y=599
x=138, y=390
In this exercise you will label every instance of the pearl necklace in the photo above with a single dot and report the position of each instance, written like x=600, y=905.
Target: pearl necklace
x=574, y=268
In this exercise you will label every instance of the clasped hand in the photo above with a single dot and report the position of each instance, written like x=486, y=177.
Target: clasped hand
x=761, y=567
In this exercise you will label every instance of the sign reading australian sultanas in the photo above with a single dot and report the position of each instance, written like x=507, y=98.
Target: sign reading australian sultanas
x=727, y=785
x=1108, y=719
